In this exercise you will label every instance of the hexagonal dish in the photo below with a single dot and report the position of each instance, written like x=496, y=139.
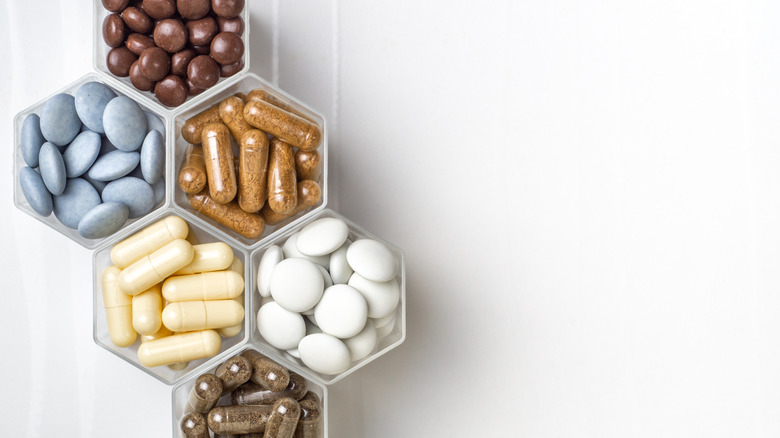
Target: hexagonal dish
x=181, y=392
x=18, y=163
x=394, y=335
x=198, y=234
x=245, y=84
x=100, y=50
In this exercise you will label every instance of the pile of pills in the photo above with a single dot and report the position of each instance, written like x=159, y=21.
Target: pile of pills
x=251, y=394
x=174, y=48
x=201, y=286
x=327, y=300
x=95, y=159
x=265, y=181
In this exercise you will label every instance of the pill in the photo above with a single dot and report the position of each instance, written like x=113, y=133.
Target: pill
x=282, y=124
x=324, y=353
x=282, y=182
x=193, y=9
x=163, y=332
x=309, y=423
x=382, y=298
x=342, y=311
x=31, y=139
x=203, y=71
x=59, y=121
x=52, y=168
x=372, y=260
x=193, y=425
x=114, y=30
x=208, y=257
x=328, y=282
x=280, y=327
x=290, y=249
x=135, y=193
x=383, y=321
x=205, y=393
x=227, y=8
x=231, y=111
x=35, y=192
x=171, y=91
x=179, y=348
x=271, y=257
x=137, y=43
x=78, y=198
x=201, y=315
x=283, y=419
x=230, y=215
x=227, y=70
x=218, y=156
x=239, y=419
x=154, y=122
x=118, y=306
x=155, y=267
x=115, y=5
x=339, y=268
x=192, y=175
x=114, y=165
x=192, y=129
x=153, y=157
x=125, y=123
x=266, y=96
x=233, y=330
x=103, y=220
x=308, y=165
x=322, y=236
x=202, y=31
x=363, y=343
x=251, y=393
x=180, y=61
x=309, y=194
x=234, y=25
x=90, y=101
x=386, y=329
x=233, y=373
x=227, y=48
x=146, y=311
x=148, y=240
x=253, y=166
x=159, y=9
x=310, y=396
x=296, y=284
x=136, y=19
x=81, y=153
x=219, y=285
x=267, y=373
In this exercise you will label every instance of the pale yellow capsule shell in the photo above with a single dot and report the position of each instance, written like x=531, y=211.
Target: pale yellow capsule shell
x=200, y=315
x=159, y=334
x=208, y=257
x=147, y=311
x=184, y=347
x=220, y=285
x=178, y=366
x=148, y=240
x=119, y=313
x=229, y=332
x=155, y=267
x=237, y=266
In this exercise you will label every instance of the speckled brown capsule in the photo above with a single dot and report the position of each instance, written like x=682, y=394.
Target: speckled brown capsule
x=218, y=155
x=309, y=194
x=252, y=170
x=283, y=419
x=193, y=127
x=234, y=372
x=309, y=423
x=267, y=373
x=192, y=175
x=205, y=393
x=230, y=215
x=282, y=124
x=231, y=111
x=282, y=182
x=251, y=393
x=308, y=165
x=239, y=419
x=194, y=426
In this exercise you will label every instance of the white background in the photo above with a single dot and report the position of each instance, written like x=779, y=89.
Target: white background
x=588, y=194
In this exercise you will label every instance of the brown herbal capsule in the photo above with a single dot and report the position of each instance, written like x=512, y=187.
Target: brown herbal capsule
x=282, y=183
x=310, y=396
x=194, y=426
x=267, y=373
x=252, y=170
x=265, y=96
x=234, y=372
x=309, y=423
x=239, y=419
x=205, y=393
x=193, y=128
x=231, y=110
x=249, y=225
x=218, y=156
x=283, y=419
x=232, y=435
x=309, y=195
x=307, y=165
x=192, y=175
x=282, y=124
x=251, y=393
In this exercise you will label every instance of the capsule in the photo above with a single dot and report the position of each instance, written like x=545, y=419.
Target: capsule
x=164, y=333
x=193, y=128
x=218, y=285
x=282, y=182
x=251, y=393
x=233, y=373
x=192, y=175
x=267, y=373
x=201, y=315
x=218, y=156
x=309, y=423
x=281, y=124
x=205, y=393
x=309, y=195
x=252, y=170
x=119, y=314
x=184, y=347
x=155, y=267
x=229, y=332
x=283, y=419
x=229, y=215
x=238, y=419
x=308, y=165
x=194, y=426
x=231, y=111
x=148, y=240
x=261, y=94
x=147, y=307
x=208, y=257
x=310, y=396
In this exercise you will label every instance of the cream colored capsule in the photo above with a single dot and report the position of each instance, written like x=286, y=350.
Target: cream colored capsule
x=208, y=257
x=220, y=285
x=200, y=315
x=237, y=266
x=159, y=334
x=148, y=240
x=119, y=314
x=147, y=311
x=155, y=267
x=179, y=348
x=229, y=332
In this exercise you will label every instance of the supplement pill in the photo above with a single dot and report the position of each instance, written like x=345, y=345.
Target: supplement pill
x=308, y=165
x=309, y=194
x=155, y=267
x=193, y=128
x=200, y=315
x=231, y=110
x=194, y=426
x=147, y=307
x=251, y=393
x=192, y=175
x=309, y=423
x=218, y=156
x=230, y=215
x=119, y=314
x=234, y=372
x=218, y=285
x=208, y=257
x=282, y=124
x=252, y=169
x=267, y=373
x=283, y=419
x=205, y=393
x=148, y=240
x=282, y=182
x=239, y=419
x=179, y=348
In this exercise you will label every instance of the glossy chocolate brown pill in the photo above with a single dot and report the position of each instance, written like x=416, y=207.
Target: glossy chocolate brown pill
x=202, y=31
x=138, y=79
x=218, y=155
x=159, y=9
x=137, y=43
x=205, y=393
x=192, y=175
x=283, y=419
x=115, y=5
x=229, y=215
x=252, y=169
x=227, y=8
x=193, y=9
x=171, y=91
x=309, y=194
x=282, y=124
x=154, y=63
x=309, y=423
x=227, y=48
x=282, y=182
x=193, y=127
x=267, y=373
x=234, y=372
x=239, y=419
x=137, y=20
x=233, y=25
x=203, y=71
x=114, y=30
x=192, y=90
x=119, y=60
x=180, y=61
x=228, y=70
x=308, y=165
x=202, y=50
x=171, y=35
x=194, y=426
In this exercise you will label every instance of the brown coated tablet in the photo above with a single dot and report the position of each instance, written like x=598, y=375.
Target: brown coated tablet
x=193, y=90
x=231, y=110
x=171, y=91
x=227, y=8
x=252, y=170
x=282, y=124
x=308, y=165
x=114, y=30
x=137, y=20
x=180, y=61
x=193, y=9
x=230, y=215
x=192, y=175
x=154, y=63
x=138, y=79
x=137, y=43
x=218, y=155
x=159, y=9
x=227, y=48
x=233, y=25
x=203, y=71
x=193, y=127
x=115, y=5
x=202, y=31
x=282, y=183
x=228, y=70
x=309, y=194
x=171, y=35
x=119, y=60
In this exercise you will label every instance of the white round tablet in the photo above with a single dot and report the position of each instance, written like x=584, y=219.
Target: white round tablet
x=341, y=312
x=280, y=327
x=385, y=330
x=340, y=271
x=328, y=283
x=363, y=343
x=381, y=322
x=322, y=236
x=294, y=353
x=272, y=256
x=291, y=251
x=382, y=298
x=324, y=353
x=372, y=260
x=296, y=284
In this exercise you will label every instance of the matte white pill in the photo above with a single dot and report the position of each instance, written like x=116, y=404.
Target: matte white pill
x=372, y=260
x=324, y=353
x=322, y=236
x=271, y=257
x=291, y=251
x=342, y=311
x=340, y=271
x=381, y=322
x=328, y=283
x=280, y=327
x=363, y=343
x=296, y=284
x=382, y=298
x=385, y=330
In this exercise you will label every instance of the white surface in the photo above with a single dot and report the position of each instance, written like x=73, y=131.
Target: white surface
x=588, y=195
